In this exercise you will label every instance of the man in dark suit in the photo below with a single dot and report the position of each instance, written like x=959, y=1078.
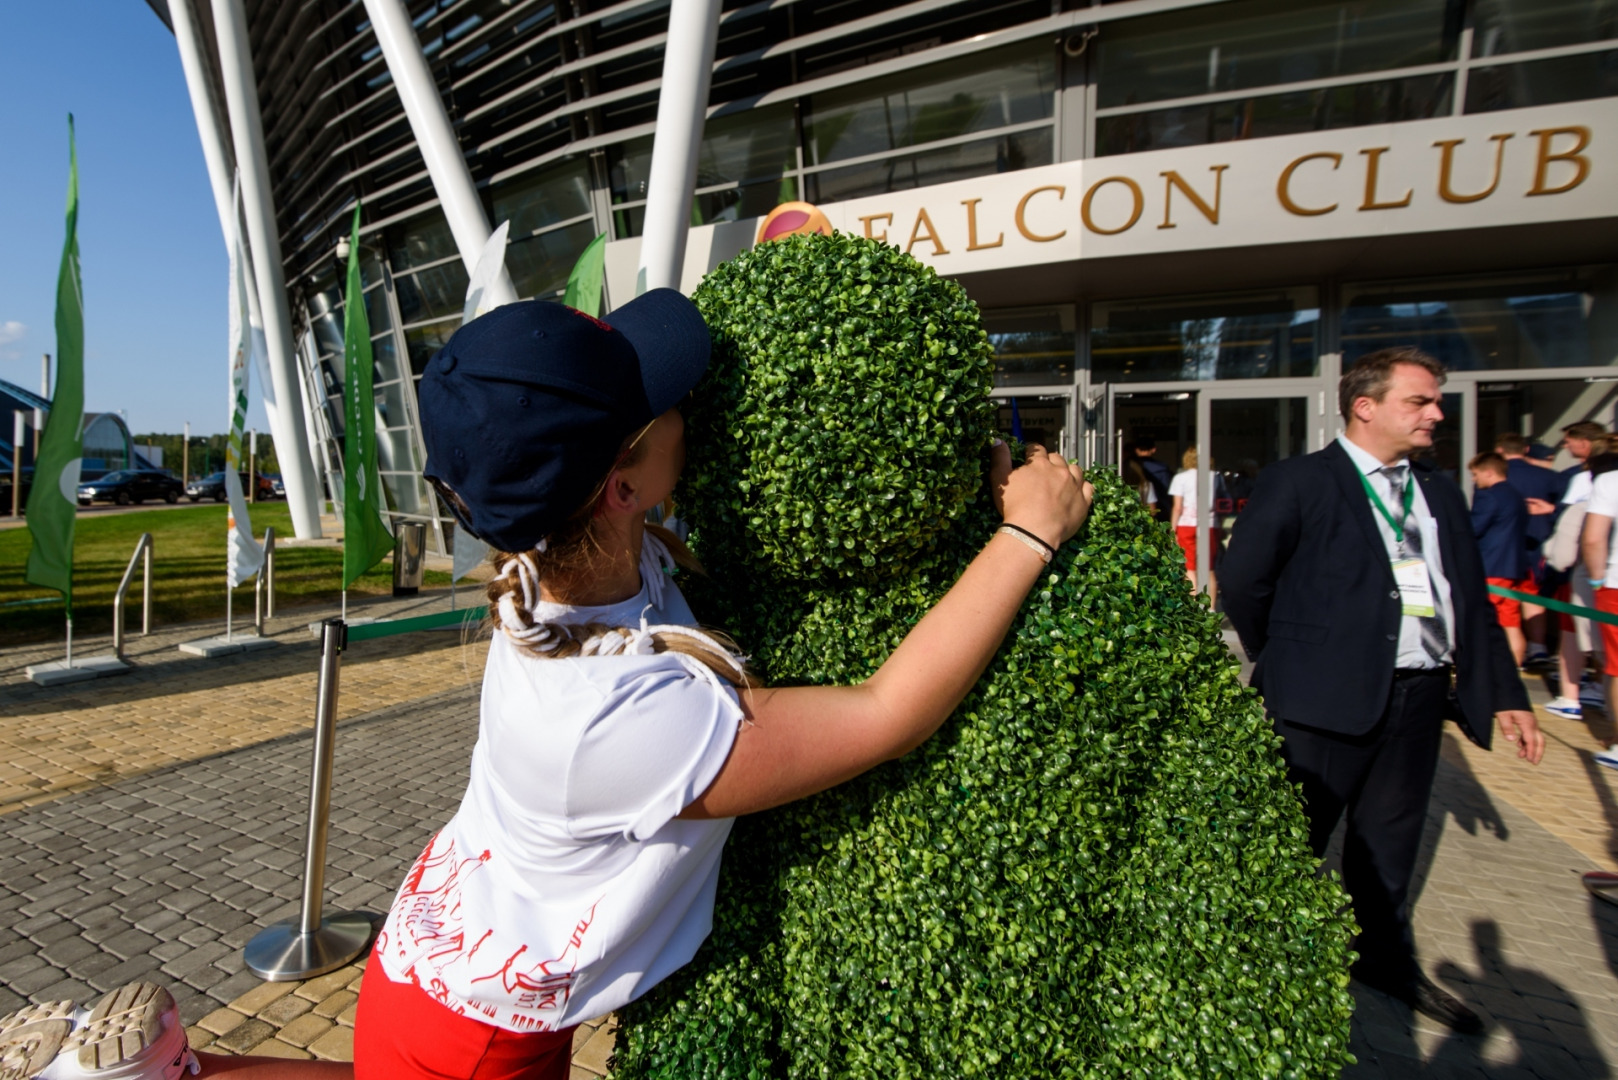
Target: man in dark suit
x=1353, y=580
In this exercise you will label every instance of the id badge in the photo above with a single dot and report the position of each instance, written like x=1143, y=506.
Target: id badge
x=1415, y=587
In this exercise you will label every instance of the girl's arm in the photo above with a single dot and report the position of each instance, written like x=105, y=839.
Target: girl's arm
x=1174, y=510
x=802, y=740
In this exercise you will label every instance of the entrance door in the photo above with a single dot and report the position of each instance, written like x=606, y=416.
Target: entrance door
x=1046, y=419
x=1478, y=409
x=1229, y=434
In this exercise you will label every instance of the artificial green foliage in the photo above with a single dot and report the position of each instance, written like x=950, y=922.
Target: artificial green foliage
x=1096, y=869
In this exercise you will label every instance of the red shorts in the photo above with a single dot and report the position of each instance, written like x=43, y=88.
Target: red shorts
x=1607, y=601
x=1187, y=536
x=400, y=1033
x=1508, y=610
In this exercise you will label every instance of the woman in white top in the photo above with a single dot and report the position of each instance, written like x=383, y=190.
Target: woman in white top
x=1183, y=490
x=616, y=741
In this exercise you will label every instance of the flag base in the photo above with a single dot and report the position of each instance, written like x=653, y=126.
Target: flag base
x=57, y=673
x=208, y=648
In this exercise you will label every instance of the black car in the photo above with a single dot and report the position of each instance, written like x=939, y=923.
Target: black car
x=212, y=487
x=128, y=486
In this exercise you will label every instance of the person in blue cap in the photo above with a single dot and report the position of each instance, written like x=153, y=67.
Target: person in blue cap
x=617, y=740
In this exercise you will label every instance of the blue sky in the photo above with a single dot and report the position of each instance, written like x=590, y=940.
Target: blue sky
x=154, y=262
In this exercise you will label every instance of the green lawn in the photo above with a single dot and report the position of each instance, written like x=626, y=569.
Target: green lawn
x=188, y=572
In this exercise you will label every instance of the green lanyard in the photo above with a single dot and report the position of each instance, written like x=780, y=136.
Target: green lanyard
x=1376, y=500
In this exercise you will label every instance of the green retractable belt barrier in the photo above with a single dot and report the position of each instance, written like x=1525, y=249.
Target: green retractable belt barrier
x=1557, y=605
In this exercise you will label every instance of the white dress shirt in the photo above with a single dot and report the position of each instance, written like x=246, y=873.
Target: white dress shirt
x=1411, y=654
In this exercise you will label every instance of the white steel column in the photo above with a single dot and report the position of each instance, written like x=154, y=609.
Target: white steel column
x=213, y=131
x=452, y=180
x=682, y=105
x=247, y=133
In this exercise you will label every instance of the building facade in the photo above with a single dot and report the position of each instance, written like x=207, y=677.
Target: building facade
x=1181, y=218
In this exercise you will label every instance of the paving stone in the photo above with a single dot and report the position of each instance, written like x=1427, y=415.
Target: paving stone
x=305, y=1029
x=286, y=1009
x=245, y=1036
x=337, y=1044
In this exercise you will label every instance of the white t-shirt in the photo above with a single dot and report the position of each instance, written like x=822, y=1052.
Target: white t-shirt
x=1578, y=489
x=1184, y=485
x=565, y=886
x=1604, y=501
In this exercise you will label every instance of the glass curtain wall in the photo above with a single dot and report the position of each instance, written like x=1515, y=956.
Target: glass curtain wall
x=1237, y=336
x=1277, y=67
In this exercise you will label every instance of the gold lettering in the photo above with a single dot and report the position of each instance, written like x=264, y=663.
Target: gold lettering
x=972, y=227
x=1283, y=186
x=1134, y=214
x=1446, y=165
x=1022, y=210
x=867, y=219
x=1174, y=180
x=1581, y=164
x=931, y=235
x=1373, y=166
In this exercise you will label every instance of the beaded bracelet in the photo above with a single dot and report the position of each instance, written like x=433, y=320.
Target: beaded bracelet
x=1034, y=543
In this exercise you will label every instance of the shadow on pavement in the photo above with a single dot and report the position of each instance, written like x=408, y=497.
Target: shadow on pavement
x=158, y=672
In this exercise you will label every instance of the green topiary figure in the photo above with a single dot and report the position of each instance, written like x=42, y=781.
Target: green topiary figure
x=1096, y=868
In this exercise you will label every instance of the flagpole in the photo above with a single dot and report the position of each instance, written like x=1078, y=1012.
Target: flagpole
x=230, y=596
x=70, y=639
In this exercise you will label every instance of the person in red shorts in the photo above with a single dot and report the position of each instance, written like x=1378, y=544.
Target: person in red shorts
x=1183, y=492
x=1500, y=524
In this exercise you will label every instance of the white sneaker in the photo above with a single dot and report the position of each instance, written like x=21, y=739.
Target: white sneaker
x=1608, y=757
x=132, y=1033
x=1565, y=708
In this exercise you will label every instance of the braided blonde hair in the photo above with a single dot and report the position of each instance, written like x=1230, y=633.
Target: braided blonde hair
x=575, y=548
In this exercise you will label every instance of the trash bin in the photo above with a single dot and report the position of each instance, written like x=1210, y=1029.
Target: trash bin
x=409, y=557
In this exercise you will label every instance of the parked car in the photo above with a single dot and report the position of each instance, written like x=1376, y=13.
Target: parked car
x=213, y=487
x=128, y=486
x=277, y=489
x=5, y=489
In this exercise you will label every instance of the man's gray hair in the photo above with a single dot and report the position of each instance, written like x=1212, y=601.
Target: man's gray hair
x=1371, y=373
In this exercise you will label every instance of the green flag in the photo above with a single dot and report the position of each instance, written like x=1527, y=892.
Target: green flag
x=54, y=500
x=365, y=535
x=584, y=283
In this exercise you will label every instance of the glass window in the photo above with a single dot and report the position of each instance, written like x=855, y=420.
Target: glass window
x=726, y=204
x=542, y=198
x=376, y=310
x=423, y=341
x=433, y=293
x=1542, y=82
x=1508, y=26
x=1032, y=346
x=1267, y=42
x=1416, y=98
x=1007, y=153
x=944, y=101
x=540, y=265
x=1245, y=336
x=420, y=241
x=745, y=146
x=1485, y=324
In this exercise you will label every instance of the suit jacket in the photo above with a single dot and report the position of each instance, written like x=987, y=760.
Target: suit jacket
x=1500, y=526
x=1309, y=588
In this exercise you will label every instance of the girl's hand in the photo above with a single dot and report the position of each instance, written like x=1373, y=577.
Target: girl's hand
x=1047, y=496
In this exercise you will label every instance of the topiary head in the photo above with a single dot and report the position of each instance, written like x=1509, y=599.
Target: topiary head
x=845, y=419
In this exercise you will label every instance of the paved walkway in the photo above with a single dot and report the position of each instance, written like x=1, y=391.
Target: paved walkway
x=151, y=824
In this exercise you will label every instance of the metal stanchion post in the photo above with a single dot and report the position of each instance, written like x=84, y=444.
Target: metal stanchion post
x=314, y=945
x=143, y=550
x=265, y=583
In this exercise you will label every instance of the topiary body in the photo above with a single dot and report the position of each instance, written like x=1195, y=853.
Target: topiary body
x=1096, y=868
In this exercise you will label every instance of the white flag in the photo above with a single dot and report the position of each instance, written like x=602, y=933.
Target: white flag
x=245, y=556
x=469, y=550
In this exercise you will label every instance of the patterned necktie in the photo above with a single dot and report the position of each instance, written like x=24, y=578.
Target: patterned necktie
x=1434, y=635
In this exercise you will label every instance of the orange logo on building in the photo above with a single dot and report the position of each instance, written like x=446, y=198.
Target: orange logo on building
x=791, y=219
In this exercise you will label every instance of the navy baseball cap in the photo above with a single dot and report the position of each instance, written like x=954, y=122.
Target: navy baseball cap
x=1541, y=452
x=524, y=409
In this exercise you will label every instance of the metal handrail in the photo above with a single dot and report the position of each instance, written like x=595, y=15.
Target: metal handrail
x=264, y=607
x=143, y=547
